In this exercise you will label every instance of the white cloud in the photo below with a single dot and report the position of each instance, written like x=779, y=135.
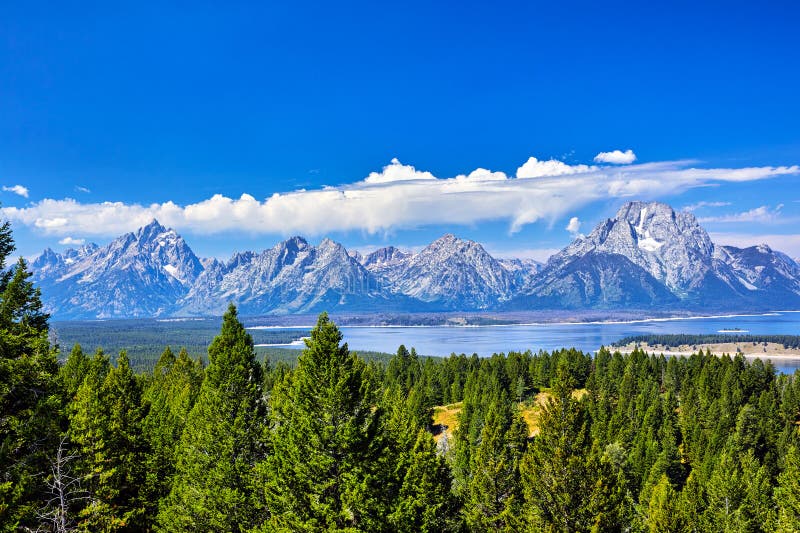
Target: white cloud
x=398, y=197
x=701, y=204
x=574, y=225
x=616, y=157
x=533, y=168
x=82, y=189
x=481, y=174
x=759, y=214
x=17, y=189
x=69, y=241
x=396, y=171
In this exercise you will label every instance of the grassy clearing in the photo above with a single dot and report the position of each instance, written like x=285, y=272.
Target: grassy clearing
x=446, y=416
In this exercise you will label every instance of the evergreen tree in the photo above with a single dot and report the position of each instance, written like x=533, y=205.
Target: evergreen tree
x=494, y=491
x=787, y=494
x=325, y=472
x=556, y=479
x=170, y=395
x=223, y=438
x=73, y=372
x=663, y=514
x=30, y=401
x=106, y=426
x=425, y=502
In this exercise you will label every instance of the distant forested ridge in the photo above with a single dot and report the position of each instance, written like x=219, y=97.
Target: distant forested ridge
x=682, y=339
x=144, y=339
x=558, y=441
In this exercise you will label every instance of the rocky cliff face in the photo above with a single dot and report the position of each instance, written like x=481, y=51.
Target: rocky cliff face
x=676, y=253
x=137, y=275
x=291, y=277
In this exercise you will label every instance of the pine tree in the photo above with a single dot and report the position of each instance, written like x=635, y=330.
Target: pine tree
x=223, y=438
x=787, y=494
x=663, y=514
x=556, y=479
x=494, y=492
x=73, y=372
x=425, y=502
x=30, y=400
x=325, y=472
x=106, y=426
x=170, y=396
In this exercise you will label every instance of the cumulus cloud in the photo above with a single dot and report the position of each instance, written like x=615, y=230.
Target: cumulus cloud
x=533, y=168
x=616, y=157
x=17, y=189
x=396, y=171
x=759, y=214
x=69, y=241
x=574, y=225
x=398, y=197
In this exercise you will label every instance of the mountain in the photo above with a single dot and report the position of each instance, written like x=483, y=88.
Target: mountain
x=291, y=277
x=139, y=274
x=594, y=280
x=651, y=255
x=769, y=274
x=448, y=274
x=647, y=256
x=522, y=270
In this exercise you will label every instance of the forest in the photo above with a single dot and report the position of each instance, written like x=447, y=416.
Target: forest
x=630, y=442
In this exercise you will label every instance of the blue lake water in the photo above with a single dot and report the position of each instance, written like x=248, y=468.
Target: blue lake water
x=486, y=340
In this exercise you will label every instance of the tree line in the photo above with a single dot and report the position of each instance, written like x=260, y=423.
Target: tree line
x=630, y=442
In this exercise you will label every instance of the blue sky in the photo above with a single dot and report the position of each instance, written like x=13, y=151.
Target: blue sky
x=160, y=104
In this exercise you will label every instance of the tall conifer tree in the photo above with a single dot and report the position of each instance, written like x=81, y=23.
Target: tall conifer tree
x=223, y=439
x=325, y=471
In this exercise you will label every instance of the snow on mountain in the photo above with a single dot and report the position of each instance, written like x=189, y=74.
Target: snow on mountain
x=673, y=249
x=450, y=273
x=770, y=274
x=387, y=264
x=594, y=280
x=291, y=277
x=647, y=256
x=671, y=246
x=136, y=275
x=522, y=270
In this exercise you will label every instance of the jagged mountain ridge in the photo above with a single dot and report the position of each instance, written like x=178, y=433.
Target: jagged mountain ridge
x=675, y=252
x=137, y=274
x=647, y=256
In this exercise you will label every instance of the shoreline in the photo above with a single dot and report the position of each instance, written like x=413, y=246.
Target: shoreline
x=554, y=323
x=776, y=356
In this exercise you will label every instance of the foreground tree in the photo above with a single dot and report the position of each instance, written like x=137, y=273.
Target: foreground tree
x=30, y=402
x=170, y=396
x=222, y=440
x=107, y=427
x=494, y=492
x=324, y=473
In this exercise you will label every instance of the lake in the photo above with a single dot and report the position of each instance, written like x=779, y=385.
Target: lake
x=486, y=340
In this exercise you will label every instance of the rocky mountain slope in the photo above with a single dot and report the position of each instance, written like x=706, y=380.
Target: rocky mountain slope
x=651, y=255
x=138, y=274
x=648, y=255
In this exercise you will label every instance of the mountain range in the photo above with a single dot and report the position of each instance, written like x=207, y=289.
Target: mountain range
x=648, y=256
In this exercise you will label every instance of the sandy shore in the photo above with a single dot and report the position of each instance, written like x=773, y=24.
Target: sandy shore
x=770, y=350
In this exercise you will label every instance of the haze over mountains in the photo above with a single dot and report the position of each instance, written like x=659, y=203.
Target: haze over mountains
x=648, y=256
